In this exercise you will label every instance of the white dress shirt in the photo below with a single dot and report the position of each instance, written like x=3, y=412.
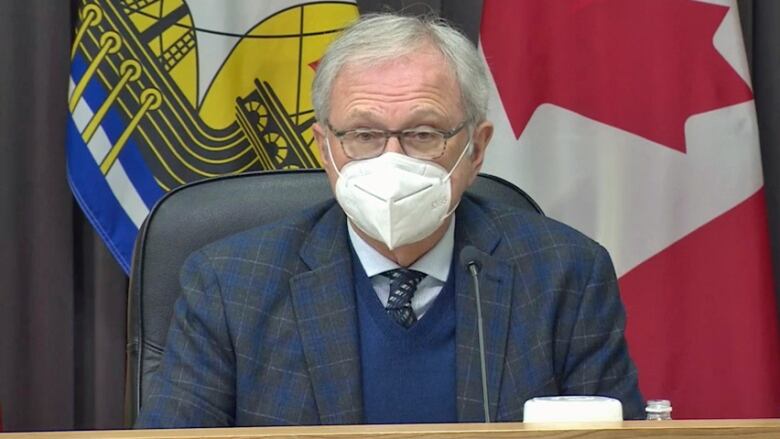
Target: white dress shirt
x=435, y=264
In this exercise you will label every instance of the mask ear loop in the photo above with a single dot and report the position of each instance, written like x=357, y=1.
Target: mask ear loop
x=330, y=155
x=469, y=147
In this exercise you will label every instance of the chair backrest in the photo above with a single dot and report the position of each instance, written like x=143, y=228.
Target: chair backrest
x=198, y=213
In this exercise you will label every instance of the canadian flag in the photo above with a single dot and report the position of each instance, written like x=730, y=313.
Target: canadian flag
x=634, y=122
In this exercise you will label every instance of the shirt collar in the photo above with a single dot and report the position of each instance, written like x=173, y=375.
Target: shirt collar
x=435, y=263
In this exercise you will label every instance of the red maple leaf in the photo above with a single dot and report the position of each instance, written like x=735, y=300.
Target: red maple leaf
x=641, y=66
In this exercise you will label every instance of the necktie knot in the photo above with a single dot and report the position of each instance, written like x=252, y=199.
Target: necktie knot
x=403, y=284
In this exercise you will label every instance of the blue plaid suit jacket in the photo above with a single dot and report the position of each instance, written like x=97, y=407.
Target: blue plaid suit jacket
x=265, y=332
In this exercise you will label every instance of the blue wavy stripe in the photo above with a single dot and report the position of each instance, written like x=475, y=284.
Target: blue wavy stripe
x=77, y=67
x=96, y=199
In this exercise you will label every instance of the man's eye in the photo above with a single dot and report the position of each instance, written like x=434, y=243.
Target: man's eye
x=366, y=136
x=421, y=136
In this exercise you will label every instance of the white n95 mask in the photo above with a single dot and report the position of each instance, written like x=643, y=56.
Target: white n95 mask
x=395, y=198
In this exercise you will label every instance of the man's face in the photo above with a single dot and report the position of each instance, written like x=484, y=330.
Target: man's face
x=414, y=91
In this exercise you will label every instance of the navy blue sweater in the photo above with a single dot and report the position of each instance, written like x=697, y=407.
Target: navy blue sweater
x=408, y=375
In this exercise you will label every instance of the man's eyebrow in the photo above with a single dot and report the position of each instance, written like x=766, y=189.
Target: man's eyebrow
x=427, y=116
x=362, y=116
x=426, y=112
x=416, y=117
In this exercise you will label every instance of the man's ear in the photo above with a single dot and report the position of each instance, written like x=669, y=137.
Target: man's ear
x=480, y=140
x=319, y=137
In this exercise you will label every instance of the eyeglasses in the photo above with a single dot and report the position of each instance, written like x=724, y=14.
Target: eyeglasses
x=421, y=143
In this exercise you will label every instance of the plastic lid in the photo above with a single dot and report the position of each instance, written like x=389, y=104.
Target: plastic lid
x=658, y=406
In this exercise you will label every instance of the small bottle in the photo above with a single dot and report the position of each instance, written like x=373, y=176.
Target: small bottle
x=659, y=410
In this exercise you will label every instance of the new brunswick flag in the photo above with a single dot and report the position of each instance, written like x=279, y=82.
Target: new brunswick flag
x=165, y=92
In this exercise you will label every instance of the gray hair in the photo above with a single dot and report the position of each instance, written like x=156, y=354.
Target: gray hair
x=377, y=38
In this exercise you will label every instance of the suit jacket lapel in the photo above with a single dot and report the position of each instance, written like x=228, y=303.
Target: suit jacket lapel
x=324, y=304
x=473, y=227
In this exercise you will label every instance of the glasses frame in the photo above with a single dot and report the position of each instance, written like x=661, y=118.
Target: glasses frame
x=398, y=134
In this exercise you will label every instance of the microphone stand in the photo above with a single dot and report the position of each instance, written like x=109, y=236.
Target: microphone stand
x=473, y=268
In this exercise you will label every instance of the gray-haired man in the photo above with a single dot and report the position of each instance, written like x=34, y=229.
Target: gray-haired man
x=354, y=311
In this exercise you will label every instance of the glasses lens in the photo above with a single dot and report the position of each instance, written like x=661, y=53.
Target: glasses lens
x=360, y=144
x=423, y=144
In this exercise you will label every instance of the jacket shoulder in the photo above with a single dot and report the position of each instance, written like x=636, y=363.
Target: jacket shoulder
x=528, y=231
x=276, y=244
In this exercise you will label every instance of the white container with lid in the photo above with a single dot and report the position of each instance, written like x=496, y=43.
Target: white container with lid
x=573, y=409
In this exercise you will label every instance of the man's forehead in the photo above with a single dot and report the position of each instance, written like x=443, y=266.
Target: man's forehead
x=366, y=92
x=425, y=54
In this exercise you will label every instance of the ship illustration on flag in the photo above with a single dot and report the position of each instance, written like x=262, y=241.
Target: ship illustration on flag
x=166, y=92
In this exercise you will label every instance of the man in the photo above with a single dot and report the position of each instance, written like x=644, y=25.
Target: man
x=359, y=312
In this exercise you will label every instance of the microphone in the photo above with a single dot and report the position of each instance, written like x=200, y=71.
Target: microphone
x=470, y=259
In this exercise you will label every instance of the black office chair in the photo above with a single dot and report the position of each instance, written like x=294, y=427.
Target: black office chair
x=196, y=214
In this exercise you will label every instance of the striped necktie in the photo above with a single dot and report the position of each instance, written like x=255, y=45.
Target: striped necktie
x=403, y=284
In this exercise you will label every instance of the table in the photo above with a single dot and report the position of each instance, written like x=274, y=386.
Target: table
x=753, y=428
